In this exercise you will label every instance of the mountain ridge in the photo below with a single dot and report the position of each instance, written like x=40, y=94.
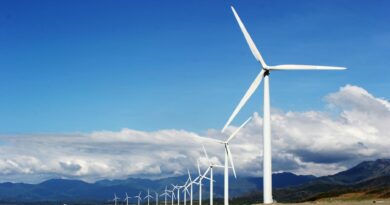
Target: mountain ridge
x=64, y=189
x=368, y=178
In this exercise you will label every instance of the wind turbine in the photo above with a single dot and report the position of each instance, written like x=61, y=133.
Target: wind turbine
x=177, y=187
x=200, y=178
x=172, y=195
x=115, y=199
x=127, y=199
x=228, y=157
x=139, y=198
x=165, y=194
x=157, y=198
x=191, y=182
x=185, y=191
x=210, y=169
x=264, y=73
x=148, y=197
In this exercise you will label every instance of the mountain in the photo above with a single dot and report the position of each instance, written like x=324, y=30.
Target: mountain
x=369, y=179
x=76, y=190
x=362, y=172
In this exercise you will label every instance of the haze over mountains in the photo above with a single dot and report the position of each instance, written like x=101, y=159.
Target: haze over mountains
x=372, y=177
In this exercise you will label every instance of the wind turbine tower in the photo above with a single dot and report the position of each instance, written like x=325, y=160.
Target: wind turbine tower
x=156, y=198
x=265, y=73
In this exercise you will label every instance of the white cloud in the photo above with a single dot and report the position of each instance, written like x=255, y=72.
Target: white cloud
x=313, y=142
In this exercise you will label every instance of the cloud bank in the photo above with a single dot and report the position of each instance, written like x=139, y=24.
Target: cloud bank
x=354, y=127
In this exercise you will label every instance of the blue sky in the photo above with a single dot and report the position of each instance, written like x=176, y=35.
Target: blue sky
x=80, y=66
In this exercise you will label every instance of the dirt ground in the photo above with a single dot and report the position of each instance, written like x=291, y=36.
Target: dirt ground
x=376, y=202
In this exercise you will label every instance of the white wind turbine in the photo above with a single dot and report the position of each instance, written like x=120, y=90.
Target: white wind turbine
x=139, y=198
x=157, y=198
x=200, y=179
x=228, y=157
x=177, y=187
x=185, y=191
x=172, y=194
x=210, y=169
x=165, y=194
x=264, y=73
x=148, y=197
x=190, y=184
x=127, y=199
x=115, y=199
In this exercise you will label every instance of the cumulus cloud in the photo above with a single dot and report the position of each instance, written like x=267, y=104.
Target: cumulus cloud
x=355, y=128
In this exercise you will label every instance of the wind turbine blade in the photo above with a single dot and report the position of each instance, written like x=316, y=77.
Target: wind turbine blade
x=196, y=179
x=208, y=178
x=189, y=175
x=230, y=159
x=246, y=97
x=205, y=153
x=211, y=140
x=185, y=184
x=206, y=172
x=198, y=167
x=304, y=67
x=219, y=166
x=238, y=129
x=174, y=196
x=249, y=40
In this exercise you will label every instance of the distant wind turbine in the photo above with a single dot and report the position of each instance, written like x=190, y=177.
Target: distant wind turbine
x=185, y=191
x=148, y=197
x=177, y=187
x=190, y=184
x=264, y=73
x=200, y=179
x=210, y=169
x=127, y=199
x=165, y=194
x=139, y=198
x=228, y=157
x=156, y=198
x=115, y=199
x=172, y=195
